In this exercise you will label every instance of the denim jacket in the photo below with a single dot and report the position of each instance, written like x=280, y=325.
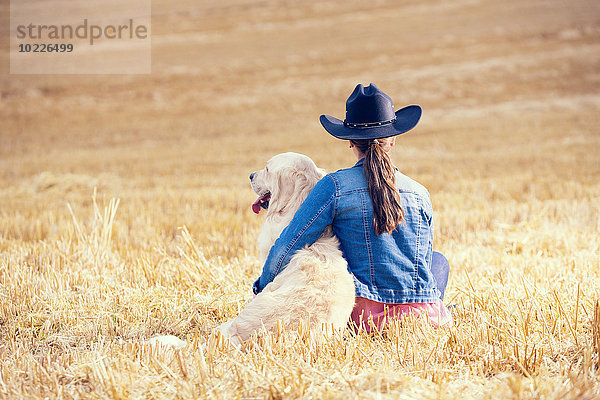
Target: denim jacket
x=388, y=268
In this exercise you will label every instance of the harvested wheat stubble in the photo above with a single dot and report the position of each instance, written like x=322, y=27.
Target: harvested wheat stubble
x=508, y=147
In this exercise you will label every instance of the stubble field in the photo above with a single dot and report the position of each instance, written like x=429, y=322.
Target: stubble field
x=125, y=204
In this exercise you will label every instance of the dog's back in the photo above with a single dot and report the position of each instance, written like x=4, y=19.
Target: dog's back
x=329, y=285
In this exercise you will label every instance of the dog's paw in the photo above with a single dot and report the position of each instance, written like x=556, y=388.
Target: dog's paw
x=168, y=341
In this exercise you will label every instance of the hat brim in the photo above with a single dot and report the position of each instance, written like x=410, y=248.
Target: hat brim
x=406, y=119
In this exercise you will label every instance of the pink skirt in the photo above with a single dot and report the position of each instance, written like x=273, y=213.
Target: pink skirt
x=365, y=309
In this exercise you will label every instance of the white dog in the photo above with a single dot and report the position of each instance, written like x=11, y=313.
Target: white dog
x=315, y=288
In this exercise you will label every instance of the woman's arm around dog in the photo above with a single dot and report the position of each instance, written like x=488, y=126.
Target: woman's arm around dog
x=309, y=222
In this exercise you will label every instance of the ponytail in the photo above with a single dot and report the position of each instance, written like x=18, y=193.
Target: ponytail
x=381, y=180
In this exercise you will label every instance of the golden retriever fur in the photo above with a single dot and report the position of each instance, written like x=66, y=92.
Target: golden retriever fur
x=315, y=288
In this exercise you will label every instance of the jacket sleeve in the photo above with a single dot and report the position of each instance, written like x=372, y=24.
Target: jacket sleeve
x=316, y=212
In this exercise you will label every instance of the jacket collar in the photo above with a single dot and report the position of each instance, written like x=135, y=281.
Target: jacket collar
x=360, y=162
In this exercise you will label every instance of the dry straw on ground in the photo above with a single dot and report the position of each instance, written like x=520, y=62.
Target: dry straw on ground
x=125, y=206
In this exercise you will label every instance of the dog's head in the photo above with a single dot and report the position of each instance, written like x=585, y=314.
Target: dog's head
x=284, y=183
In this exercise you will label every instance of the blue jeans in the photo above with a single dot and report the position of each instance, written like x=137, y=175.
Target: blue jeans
x=440, y=268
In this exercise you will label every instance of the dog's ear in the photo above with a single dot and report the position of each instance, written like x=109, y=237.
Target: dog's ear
x=292, y=186
x=282, y=190
x=311, y=174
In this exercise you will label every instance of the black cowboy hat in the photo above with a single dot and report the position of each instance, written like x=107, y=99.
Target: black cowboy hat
x=370, y=115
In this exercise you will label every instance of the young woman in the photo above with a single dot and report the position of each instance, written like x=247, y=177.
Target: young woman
x=382, y=218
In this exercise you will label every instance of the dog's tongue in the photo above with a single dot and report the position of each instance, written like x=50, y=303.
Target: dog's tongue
x=257, y=205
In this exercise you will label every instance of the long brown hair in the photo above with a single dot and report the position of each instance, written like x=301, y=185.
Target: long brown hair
x=381, y=179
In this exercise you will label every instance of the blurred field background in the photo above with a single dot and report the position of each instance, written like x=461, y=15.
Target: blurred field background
x=508, y=147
